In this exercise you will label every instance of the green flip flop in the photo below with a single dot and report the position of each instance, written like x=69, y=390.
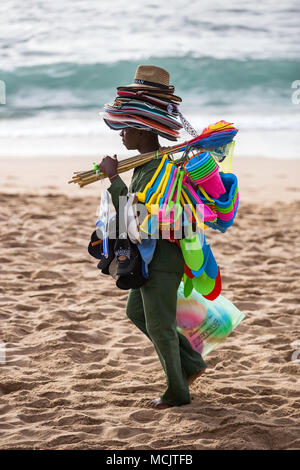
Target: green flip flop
x=188, y=285
x=192, y=252
x=203, y=284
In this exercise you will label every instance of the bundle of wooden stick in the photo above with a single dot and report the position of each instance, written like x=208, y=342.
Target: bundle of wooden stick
x=216, y=136
x=86, y=177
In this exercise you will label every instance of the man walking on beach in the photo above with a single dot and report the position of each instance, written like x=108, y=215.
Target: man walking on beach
x=152, y=307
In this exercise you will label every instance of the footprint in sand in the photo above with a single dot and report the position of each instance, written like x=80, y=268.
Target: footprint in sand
x=126, y=432
x=65, y=439
x=111, y=374
x=78, y=419
x=144, y=416
x=47, y=275
x=78, y=337
x=80, y=357
x=36, y=418
x=14, y=386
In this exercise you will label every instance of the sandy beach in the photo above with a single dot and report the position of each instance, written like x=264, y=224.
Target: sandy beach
x=77, y=374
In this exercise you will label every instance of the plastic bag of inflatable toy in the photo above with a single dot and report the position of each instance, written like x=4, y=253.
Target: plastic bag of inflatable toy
x=205, y=323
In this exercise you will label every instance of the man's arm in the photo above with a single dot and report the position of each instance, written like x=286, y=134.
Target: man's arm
x=117, y=188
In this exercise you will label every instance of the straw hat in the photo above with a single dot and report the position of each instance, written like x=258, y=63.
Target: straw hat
x=152, y=79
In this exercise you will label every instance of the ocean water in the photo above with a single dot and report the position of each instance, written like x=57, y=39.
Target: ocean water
x=61, y=61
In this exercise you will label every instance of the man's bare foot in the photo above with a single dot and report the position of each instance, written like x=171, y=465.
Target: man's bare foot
x=191, y=379
x=158, y=404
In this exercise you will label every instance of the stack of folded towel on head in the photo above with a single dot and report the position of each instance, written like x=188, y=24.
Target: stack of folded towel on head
x=149, y=103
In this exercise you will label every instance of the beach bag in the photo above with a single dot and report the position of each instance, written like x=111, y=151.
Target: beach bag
x=203, y=322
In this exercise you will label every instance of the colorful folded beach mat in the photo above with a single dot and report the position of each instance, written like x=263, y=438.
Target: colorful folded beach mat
x=206, y=324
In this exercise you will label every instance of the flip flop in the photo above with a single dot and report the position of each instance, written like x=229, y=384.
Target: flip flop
x=146, y=249
x=203, y=284
x=163, y=198
x=175, y=205
x=172, y=196
x=161, y=193
x=163, y=216
x=209, y=266
x=149, y=225
x=192, y=252
x=188, y=286
x=188, y=271
x=212, y=268
x=205, y=249
x=142, y=195
x=156, y=187
x=216, y=290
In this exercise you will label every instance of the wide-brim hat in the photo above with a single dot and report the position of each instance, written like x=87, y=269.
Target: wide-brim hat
x=153, y=79
x=156, y=93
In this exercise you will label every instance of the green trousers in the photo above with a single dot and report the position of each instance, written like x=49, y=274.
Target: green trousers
x=152, y=308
